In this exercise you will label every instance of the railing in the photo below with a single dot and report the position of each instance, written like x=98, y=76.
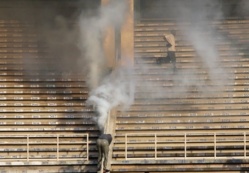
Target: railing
x=191, y=145
x=24, y=145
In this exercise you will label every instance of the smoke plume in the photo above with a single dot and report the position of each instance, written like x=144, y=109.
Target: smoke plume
x=107, y=90
x=206, y=40
x=116, y=89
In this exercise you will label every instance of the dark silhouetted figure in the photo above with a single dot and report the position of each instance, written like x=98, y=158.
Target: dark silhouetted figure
x=170, y=44
x=103, y=143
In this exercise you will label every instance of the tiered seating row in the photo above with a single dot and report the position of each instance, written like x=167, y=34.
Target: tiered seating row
x=39, y=147
x=236, y=30
x=65, y=166
x=184, y=145
x=179, y=167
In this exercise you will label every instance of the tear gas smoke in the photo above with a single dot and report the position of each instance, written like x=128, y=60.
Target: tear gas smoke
x=194, y=21
x=116, y=89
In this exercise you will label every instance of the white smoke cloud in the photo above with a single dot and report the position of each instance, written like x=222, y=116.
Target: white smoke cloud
x=205, y=39
x=117, y=89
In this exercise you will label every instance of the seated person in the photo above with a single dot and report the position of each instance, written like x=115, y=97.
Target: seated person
x=170, y=44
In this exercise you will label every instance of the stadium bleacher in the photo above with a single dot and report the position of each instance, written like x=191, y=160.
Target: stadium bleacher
x=194, y=120
x=170, y=129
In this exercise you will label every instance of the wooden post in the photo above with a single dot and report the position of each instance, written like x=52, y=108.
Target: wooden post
x=109, y=42
x=127, y=36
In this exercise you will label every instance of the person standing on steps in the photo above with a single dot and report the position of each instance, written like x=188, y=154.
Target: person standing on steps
x=103, y=143
x=170, y=44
